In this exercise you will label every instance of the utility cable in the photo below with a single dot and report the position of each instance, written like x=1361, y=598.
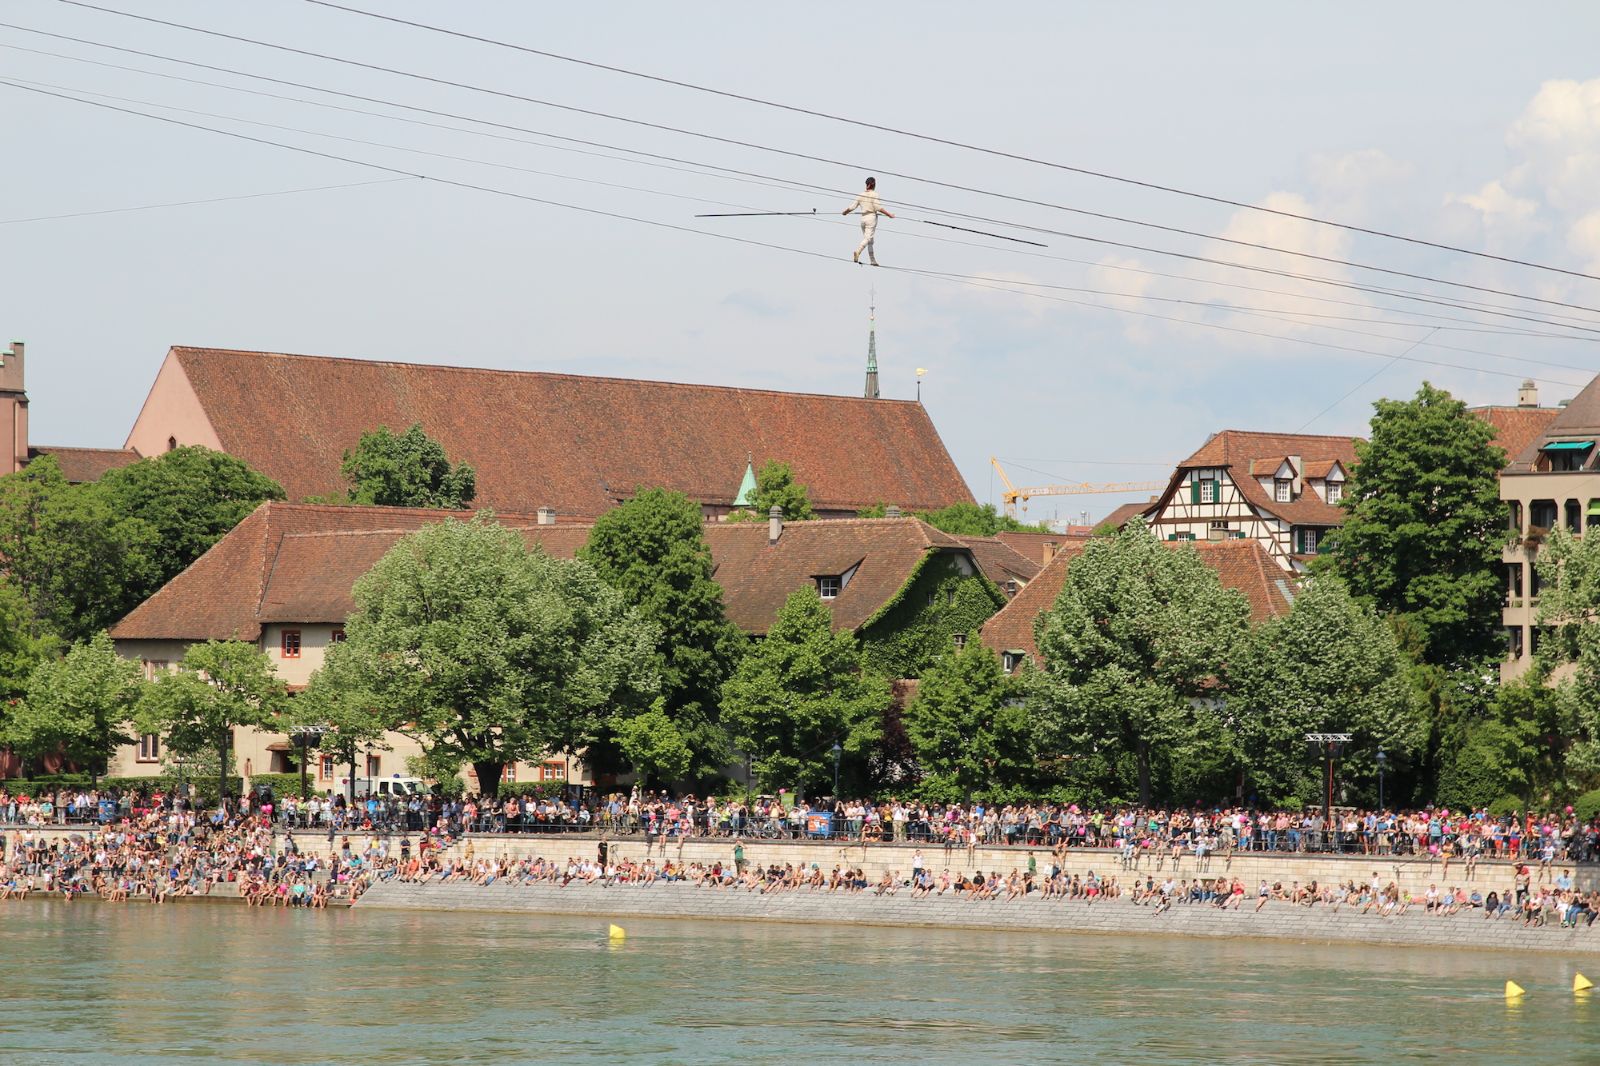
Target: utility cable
x=1017, y=157
x=1369, y=379
x=1205, y=305
x=1551, y=319
x=593, y=113
x=600, y=212
x=195, y=203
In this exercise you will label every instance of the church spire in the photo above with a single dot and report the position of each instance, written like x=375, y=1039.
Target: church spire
x=872, y=348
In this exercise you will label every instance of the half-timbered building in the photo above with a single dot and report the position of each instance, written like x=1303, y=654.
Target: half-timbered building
x=1281, y=490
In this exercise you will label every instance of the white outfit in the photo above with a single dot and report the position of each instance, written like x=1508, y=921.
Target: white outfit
x=867, y=204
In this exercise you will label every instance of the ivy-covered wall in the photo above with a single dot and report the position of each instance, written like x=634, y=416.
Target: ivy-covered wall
x=918, y=626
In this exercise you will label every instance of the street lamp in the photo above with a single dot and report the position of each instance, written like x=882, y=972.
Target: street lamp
x=305, y=738
x=1382, y=761
x=837, y=751
x=1332, y=747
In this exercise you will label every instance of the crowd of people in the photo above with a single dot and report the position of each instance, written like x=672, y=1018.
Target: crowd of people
x=1526, y=899
x=173, y=850
x=1447, y=835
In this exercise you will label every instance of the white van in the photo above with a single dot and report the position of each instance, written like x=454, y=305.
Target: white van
x=395, y=786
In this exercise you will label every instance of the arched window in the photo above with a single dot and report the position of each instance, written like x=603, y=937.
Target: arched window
x=172, y=444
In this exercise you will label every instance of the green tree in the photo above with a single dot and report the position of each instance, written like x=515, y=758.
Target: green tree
x=407, y=469
x=1139, y=634
x=487, y=653
x=654, y=746
x=78, y=563
x=653, y=550
x=220, y=686
x=1331, y=666
x=190, y=498
x=776, y=487
x=968, y=727
x=1423, y=525
x=971, y=520
x=797, y=693
x=77, y=706
x=1569, y=621
x=22, y=647
x=335, y=701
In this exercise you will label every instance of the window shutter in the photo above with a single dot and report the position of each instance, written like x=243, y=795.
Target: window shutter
x=1194, y=488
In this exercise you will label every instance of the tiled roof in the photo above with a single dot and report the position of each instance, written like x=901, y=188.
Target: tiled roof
x=1122, y=515
x=223, y=594
x=300, y=562
x=79, y=465
x=1240, y=564
x=999, y=561
x=1239, y=447
x=577, y=444
x=1518, y=429
x=1249, y=454
x=1038, y=547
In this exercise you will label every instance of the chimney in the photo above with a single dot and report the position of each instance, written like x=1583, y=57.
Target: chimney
x=774, y=525
x=892, y=511
x=13, y=410
x=547, y=516
x=1528, y=395
x=1050, y=549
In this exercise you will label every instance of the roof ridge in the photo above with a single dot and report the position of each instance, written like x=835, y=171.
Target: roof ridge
x=179, y=348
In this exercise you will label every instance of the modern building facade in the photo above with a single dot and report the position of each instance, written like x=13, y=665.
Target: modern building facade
x=1553, y=483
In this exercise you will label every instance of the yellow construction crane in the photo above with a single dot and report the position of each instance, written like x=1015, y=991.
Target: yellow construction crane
x=1012, y=495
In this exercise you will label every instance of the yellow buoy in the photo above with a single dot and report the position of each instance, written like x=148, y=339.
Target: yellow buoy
x=617, y=932
x=1514, y=990
x=1581, y=983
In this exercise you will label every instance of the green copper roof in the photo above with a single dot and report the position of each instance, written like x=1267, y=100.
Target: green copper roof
x=747, y=487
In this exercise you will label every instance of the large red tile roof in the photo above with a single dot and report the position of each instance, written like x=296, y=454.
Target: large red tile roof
x=300, y=562
x=1515, y=428
x=79, y=465
x=1250, y=454
x=1240, y=564
x=577, y=444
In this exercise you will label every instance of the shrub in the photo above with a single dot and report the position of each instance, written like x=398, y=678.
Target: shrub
x=1505, y=806
x=1587, y=807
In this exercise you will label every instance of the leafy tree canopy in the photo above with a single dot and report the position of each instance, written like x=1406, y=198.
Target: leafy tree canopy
x=968, y=728
x=77, y=706
x=1138, y=633
x=776, y=487
x=972, y=520
x=78, y=562
x=488, y=653
x=190, y=498
x=407, y=469
x=797, y=693
x=1331, y=666
x=221, y=685
x=652, y=549
x=654, y=746
x=1422, y=536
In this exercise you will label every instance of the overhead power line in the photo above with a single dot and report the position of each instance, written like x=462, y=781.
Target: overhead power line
x=593, y=113
x=197, y=203
x=933, y=139
x=1273, y=314
x=976, y=282
x=1549, y=318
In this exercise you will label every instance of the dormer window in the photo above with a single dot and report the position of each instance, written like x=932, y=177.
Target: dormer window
x=1283, y=490
x=1010, y=660
x=828, y=586
x=1335, y=491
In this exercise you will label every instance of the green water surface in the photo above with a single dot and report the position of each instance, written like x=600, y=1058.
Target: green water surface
x=98, y=983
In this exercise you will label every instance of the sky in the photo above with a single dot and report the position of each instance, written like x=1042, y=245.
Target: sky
x=1470, y=124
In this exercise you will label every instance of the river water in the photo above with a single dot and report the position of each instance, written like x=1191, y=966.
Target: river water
x=96, y=983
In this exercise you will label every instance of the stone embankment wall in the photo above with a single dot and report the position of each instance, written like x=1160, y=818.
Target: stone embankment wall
x=1278, y=921
x=1412, y=874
